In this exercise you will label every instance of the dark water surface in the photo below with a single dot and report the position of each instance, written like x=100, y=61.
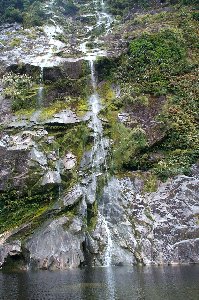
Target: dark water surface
x=121, y=283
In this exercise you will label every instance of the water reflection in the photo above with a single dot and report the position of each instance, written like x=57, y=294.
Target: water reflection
x=114, y=283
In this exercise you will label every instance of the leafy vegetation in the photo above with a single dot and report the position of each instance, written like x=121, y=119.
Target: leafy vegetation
x=161, y=65
x=31, y=12
x=153, y=59
x=122, y=7
x=17, y=208
x=126, y=143
x=68, y=6
x=28, y=12
x=21, y=89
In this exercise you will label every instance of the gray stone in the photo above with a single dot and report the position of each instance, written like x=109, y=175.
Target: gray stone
x=72, y=69
x=69, y=161
x=38, y=156
x=64, y=117
x=156, y=228
x=73, y=196
x=52, y=247
x=51, y=177
x=9, y=249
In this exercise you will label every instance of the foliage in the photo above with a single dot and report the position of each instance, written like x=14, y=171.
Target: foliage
x=153, y=59
x=92, y=213
x=177, y=162
x=21, y=90
x=120, y=7
x=70, y=87
x=76, y=140
x=126, y=143
x=161, y=63
x=28, y=12
x=68, y=6
x=17, y=208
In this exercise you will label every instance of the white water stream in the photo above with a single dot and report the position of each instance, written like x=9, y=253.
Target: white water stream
x=98, y=153
x=99, y=147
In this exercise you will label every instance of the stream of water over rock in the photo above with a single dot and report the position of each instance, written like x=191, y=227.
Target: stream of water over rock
x=98, y=153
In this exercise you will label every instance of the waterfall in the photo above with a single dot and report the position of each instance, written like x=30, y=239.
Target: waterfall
x=98, y=157
x=40, y=93
x=58, y=170
x=108, y=253
x=98, y=153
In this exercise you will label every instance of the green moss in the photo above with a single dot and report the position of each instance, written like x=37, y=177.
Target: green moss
x=73, y=88
x=150, y=183
x=126, y=143
x=18, y=208
x=48, y=112
x=161, y=61
x=92, y=212
x=15, y=42
x=25, y=112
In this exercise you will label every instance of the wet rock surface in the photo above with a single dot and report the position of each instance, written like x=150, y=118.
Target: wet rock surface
x=96, y=219
x=55, y=247
x=9, y=249
x=156, y=228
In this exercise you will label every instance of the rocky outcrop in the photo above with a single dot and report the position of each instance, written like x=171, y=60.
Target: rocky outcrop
x=131, y=227
x=71, y=69
x=146, y=116
x=63, y=118
x=157, y=228
x=57, y=245
x=9, y=250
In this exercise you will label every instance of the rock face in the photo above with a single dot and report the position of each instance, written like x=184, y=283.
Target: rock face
x=55, y=170
x=13, y=159
x=150, y=228
x=73, y=70
x=64, y=117
x=55, y=248
x=157, y=228
x=10, y=249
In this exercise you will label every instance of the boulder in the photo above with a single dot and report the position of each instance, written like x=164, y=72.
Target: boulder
x=69, y=161
x=51, y=177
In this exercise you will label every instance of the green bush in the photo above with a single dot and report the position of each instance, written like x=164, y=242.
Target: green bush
x=154, y=58
x=126, y=143
x=21, y=90
x=28, y=12
x=70, y=9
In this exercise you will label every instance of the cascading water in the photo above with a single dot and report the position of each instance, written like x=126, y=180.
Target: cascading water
x=99, y=152
x=40, y=93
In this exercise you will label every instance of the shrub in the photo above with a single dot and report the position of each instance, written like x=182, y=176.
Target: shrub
x=156, y=57
x=20, y=88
